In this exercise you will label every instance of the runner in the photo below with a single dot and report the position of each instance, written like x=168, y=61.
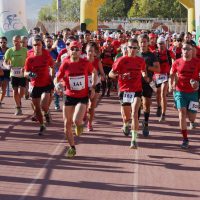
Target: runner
x=74, y=72
x=129, y=71
x=24, y=42
x=187, y=71
x=92, y=51
x=14, y=60
x=37, y=69
x=152, y=66
x=165, y=59
x=54, y=54
x=61, y=56
x=107, y=58
x=5, y=73
x=176, y=47
x=152, y=42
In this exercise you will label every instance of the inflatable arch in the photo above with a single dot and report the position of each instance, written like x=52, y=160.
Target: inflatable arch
x=89, y=10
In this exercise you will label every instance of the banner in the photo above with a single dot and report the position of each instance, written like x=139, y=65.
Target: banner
x=12, y=19
x=197, y=15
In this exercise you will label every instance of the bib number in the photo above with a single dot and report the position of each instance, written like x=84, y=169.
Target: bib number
x=90, y=81
x=194, y=106
x=77, y=82
x=128, y=97
x=161, y=78
x=17, y=72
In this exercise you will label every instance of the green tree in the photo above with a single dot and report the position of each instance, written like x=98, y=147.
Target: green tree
x=69, y=11
x=112, y=9
x=46, y=13
x=157, y=8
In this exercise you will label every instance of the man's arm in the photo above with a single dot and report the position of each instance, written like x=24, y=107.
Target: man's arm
x=113, y=74
x=155, y=67
x=171, y=81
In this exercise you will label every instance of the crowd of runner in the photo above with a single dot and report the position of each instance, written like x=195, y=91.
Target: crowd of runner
x=82, y=67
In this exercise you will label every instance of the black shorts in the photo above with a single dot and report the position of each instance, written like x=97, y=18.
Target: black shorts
x=6, y=75
x=71, y=101
x=18, y=82
x=37, y=92
x=52, y=85
x=121, y=94
x=147, y=91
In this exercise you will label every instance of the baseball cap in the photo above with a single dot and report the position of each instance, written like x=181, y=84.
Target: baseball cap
x=109, y=39
x=75, y=44
x=161, y=40
x=174, y=35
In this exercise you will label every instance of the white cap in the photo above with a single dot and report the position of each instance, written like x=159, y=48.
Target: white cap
x=174, y=35
x=161, y=40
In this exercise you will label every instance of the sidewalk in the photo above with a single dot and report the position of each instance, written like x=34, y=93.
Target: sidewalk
x=36, y=168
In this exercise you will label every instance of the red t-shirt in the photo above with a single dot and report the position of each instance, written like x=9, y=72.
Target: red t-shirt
x=116, y=44
x=186, y=70
x=152, y=48
x=40, y=66
x=129, y=70
x=176, y=50
x=164, y=61
x=30, y=52
x=108, y=53
x=63, y=51
x=75, y=76
x=95, y=63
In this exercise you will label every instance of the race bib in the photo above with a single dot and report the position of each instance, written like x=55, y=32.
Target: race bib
x=161, y=78
x=17, y=72
x=90, y=81
x=77, y=82
x=128, y=97
x=194, y=106
x=98, y=79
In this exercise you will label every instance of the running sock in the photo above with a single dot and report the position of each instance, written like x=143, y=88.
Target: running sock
x=146, y=117
x=184, y=133
x=134, y=135
x=126, y=123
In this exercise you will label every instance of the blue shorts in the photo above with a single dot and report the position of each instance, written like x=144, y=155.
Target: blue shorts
x=187, y=100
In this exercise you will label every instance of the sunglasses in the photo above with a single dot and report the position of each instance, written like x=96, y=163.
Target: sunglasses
x=186, y=49
x=75, y=49
x=3, y=42
x=131, y=47
x=68, y=43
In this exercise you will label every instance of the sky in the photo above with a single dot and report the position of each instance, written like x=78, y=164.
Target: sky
x=33, y=7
